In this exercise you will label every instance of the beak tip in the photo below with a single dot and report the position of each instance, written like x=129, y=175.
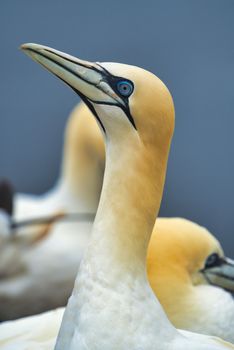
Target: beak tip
x=28, y=46
x=22, y=47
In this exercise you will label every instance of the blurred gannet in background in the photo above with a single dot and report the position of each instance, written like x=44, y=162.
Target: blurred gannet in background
x=38, y=277
x=112, y=305
x=79, y=186
x=189, y=273
x=13, y=247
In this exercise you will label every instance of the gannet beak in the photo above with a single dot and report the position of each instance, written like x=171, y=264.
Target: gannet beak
x=221, y=275
x=90, y=80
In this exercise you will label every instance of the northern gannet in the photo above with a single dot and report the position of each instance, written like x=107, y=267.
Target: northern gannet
x=23, y=264
x=112, y=305
x=191, y=277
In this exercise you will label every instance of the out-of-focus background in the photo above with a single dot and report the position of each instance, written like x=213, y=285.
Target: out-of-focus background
x=188, y=44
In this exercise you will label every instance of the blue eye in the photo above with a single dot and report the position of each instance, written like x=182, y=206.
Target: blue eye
x=125, y=88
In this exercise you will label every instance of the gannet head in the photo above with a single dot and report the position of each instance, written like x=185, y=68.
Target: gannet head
x=120, y=96
x=183, y=255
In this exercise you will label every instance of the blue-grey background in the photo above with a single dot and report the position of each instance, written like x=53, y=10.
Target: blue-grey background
x=188, y=44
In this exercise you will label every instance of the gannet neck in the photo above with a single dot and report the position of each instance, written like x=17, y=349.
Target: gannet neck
x=83, y=158
x=130, y=201
x=112, y=289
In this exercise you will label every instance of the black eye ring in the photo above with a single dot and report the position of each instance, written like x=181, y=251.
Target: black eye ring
x=212, y=260
x=124, y=87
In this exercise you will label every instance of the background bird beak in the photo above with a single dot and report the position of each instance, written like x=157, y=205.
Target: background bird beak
x=222, y=275
x=88, y=79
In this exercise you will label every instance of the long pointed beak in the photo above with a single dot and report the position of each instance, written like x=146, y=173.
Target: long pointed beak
x=90, y=80
x=222, y=275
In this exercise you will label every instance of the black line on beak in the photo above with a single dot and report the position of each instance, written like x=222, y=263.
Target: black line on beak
x=62, y=66
x=75, y=62
x=107, y=77
x=92, y=109
x=83, y=97
x=129, y=116
x=86, y=101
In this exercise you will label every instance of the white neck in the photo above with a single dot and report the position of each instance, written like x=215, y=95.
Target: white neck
x=112, y=298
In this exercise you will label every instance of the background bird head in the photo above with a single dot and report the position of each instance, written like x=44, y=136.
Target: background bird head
x=183, y=255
